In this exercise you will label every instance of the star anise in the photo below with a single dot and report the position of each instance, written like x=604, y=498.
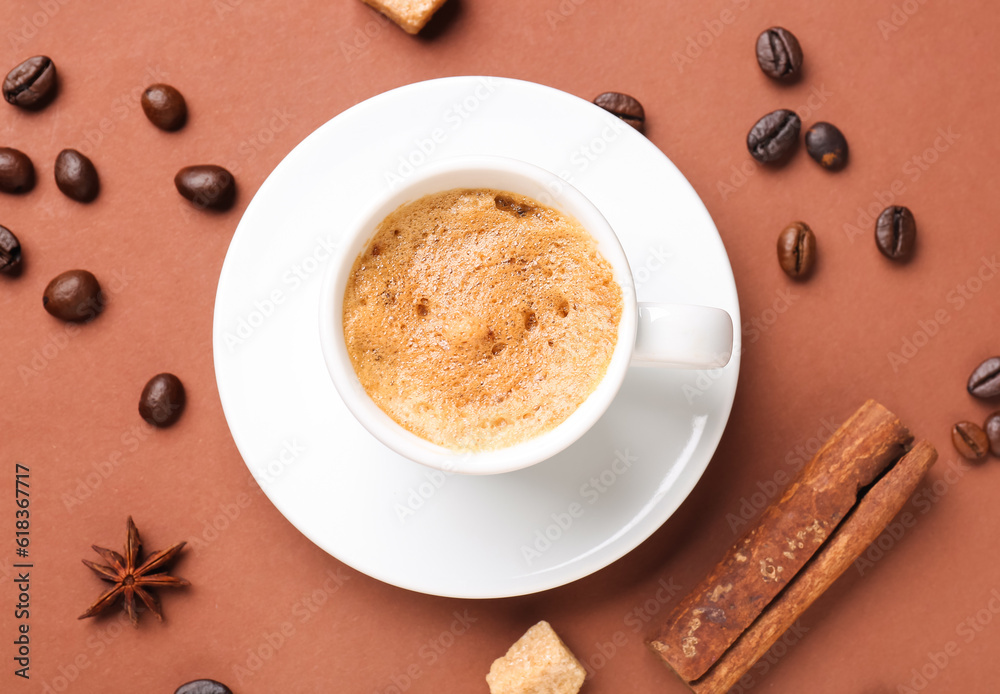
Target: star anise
x=132, y=578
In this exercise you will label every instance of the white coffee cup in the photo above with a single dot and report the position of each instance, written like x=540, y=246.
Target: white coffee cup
x=649, y=334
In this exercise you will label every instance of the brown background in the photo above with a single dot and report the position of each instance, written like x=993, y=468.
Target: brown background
x=270, y=612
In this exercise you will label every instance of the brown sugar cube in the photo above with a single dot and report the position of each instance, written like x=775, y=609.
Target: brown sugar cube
x=411, y=15
x=538, y=663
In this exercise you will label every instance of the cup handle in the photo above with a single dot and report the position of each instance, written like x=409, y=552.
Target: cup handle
x=682, y=336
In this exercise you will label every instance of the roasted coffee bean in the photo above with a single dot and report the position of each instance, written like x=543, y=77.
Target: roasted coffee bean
x=32, y=84
x=10, y=252
x=992, y=429
x=797, y=250
x=779, y=54
x=970, y=440
x=164, y=106
x=985, y=380
x=896, y=232
x=76, y=176
x=17, y=173
x=827, y=145
x=203, y=687
x=207, y=185
x=75, y=295
x=624, y=106
x=162, y=400
x=773, y=137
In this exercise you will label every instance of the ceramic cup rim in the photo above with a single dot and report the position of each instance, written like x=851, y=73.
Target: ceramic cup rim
x=477, y=171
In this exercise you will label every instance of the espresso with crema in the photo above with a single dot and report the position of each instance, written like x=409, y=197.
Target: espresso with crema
x=478, y=319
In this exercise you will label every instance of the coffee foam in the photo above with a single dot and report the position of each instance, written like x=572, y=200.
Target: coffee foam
x=478, y=318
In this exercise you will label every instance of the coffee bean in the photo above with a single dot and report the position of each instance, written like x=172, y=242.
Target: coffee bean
x=206, y=185
x=797, y=250
x=624, y=106
x=10, y=252
x=827, y=145
x=773, y=137
x=164, y=106
x=76, y=176
x=203, y=687
x=75, y=296
x=896, y=232
x=985, y=380
x=992, y=429
x=779, y=54
x=32, y=84
x=162, y=400
x=17, y=173
x=970, y=440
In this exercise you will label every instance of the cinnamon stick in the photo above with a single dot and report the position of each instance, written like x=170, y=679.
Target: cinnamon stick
x=789, y=532
x=872, y=514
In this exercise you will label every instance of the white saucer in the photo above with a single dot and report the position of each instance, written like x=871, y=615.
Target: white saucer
x=469, y=537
